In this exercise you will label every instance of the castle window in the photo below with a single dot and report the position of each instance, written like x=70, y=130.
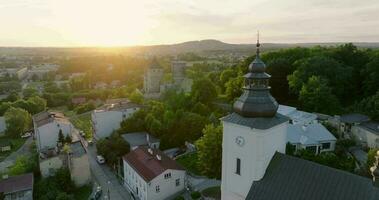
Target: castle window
x=238, y=166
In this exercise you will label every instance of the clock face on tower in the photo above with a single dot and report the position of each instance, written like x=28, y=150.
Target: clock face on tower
x=240, y=141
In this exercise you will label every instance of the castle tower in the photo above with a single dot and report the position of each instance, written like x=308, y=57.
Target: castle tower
x=252, y=134
x=178, y=69
x=153, y=78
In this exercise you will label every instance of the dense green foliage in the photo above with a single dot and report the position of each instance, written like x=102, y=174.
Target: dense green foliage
x=33, y=105
x=17, y=121
x=112, y=148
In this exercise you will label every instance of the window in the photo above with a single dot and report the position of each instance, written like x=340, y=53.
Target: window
x=168, y=175
x=238, y=166
x=177, y=182
x=326, y=145
x=312, y=149
x=157, y=189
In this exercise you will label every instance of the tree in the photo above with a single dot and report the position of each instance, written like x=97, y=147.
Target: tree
x=204, y=91
x=67, y=139
x=136, y=97
x=370, y=76
x=371, y=157
x=29, y=92
x=17, y=121
x=61, y=138
x=13, y=96
x=233, y=88
x=210, y=151
x=316, y=96
x=226, y=75
x=112, y=148
x=37, y=104
x=369, y=106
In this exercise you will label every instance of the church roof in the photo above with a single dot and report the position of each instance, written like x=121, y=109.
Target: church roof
x=256, y=122
x=291, y=178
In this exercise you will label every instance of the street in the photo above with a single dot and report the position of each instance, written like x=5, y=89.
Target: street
x=103, y=176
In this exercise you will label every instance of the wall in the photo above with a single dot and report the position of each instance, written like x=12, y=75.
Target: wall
x=47, y=135
x=153, y=80
x=80, y=170
x=133, y=181
x=255, y=155
x=365, y=137
x=46, y=165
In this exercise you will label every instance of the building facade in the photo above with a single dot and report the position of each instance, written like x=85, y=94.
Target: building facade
x=153, y=79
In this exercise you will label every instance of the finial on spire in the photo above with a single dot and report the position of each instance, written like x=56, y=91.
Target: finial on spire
x=258, y=44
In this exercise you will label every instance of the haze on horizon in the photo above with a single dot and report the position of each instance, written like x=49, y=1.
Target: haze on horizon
x=146, y=22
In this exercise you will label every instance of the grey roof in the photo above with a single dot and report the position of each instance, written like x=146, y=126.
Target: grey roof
x=310, y=134
x=354, y=118
x=138, y=138
x=291, y=178
x=77, y=149
x=257, y=122
x=371, y=126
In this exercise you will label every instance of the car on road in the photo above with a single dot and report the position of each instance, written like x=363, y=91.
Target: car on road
x=97, y=193
x=26, y=135
x=100, y=159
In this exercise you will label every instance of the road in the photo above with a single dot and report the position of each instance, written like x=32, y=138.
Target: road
x=102, y=175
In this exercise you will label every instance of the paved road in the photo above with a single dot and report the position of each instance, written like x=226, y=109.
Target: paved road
x=102, y=174
x=23, y=150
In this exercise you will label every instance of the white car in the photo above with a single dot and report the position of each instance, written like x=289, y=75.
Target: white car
x=26, y=135
x=100, y=159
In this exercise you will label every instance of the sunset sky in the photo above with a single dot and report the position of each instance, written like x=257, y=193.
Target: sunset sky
x=143, y=22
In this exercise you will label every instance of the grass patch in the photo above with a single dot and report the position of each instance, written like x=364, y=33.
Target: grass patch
x=83, y=192
x=213, y=192
x=83, y=123
x=189, y=162
x=16, y=143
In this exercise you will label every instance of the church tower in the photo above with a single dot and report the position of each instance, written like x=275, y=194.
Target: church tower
x=251, y=134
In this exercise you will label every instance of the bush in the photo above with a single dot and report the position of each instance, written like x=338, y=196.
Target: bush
x=85, y=108
x=195, y=195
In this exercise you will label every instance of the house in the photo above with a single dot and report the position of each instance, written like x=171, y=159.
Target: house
x=5, y=145
x=314, y=137
x=47, y=126
x=3, y=125
x=107, y=118
x=254, y=164
x=346, y=122
x=79, y=164
x=140, y=139
x=17, y=187
x=297, y=116
x=367, y=134
x=150, y=174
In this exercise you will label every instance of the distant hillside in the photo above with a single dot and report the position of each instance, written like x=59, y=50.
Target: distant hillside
x=202, y=46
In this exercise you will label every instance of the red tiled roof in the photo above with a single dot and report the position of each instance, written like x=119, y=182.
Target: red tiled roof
x=17, y=183
x=147, y=165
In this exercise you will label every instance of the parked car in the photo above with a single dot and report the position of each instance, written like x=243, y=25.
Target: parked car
x=90, y=142
x=97, y=193
x=26, y=135
x=100, y=159
x=82, y=133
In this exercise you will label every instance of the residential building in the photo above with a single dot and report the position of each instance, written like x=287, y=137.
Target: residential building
x=79, y=164
x=5, y=145
x=19, y=73
x=47, y=126
x=314, y=137
x=297, y=116
x=151, y=175
x=141, y=139
x=367, y=134
x=107, y=118
x=18, y=187
x=153, y=80
x=346, y=122
x=254, y=164
x=38, y=72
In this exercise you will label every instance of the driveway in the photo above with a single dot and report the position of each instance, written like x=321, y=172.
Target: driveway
x=10, y=160
x=102, y=175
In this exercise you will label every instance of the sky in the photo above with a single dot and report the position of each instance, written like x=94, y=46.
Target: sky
x=148, y=22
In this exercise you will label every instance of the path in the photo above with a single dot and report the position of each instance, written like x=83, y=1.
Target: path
x=10, y=160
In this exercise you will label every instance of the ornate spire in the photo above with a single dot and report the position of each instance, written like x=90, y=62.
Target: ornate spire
x=256, y=100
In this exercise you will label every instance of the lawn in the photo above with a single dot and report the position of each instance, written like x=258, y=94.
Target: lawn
x=213, y=192
x=16, y=143
x=83, y=192
x=189, y=162
x=83, y=123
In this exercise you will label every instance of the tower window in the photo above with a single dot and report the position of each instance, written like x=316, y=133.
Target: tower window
x=238, y=166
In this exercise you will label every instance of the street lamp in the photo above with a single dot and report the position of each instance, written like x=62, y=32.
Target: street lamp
x=109, y=185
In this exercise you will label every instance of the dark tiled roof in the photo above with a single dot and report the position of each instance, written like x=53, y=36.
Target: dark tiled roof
x=257, y=122
x=291, y=178
x=138, y=138
x=46, y=117
x=17, y=183
x=147, y=165
x=371, y=126
x=354, y=118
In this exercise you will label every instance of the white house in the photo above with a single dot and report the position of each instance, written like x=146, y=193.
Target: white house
x=107, y=118
x=314, y=137
x=139, y=139
x=367, y=134
x=18, y=187
x=47, y=126
x=151, y=175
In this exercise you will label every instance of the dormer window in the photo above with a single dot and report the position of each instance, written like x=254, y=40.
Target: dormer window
x=167, y=176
